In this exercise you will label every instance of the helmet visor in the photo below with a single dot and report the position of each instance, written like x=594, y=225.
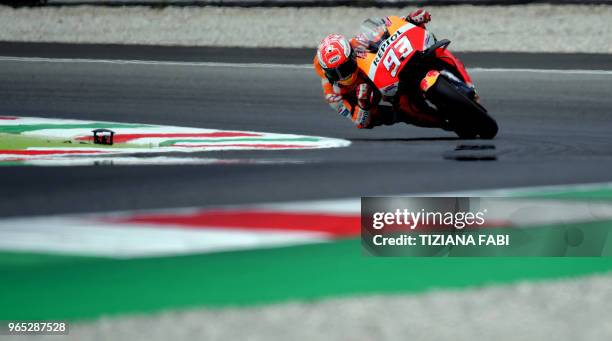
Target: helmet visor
x=343, y=71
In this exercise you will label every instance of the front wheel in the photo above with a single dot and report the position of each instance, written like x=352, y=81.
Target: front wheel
x=468, y=118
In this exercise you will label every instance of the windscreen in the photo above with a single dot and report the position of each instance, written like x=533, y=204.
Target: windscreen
x=372, y=33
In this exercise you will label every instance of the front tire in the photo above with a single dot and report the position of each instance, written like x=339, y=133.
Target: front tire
x=468, y=118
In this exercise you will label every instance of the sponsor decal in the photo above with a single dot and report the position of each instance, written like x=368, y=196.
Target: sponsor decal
x=429, y=80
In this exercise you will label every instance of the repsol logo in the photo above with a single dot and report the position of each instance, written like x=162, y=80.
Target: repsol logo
x=385, y=45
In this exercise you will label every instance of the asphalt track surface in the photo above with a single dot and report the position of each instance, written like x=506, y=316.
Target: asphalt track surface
x=554, y=129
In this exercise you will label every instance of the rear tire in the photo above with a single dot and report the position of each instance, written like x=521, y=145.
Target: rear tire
x=468, y=118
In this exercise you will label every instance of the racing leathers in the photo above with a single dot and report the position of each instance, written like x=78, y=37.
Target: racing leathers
x=345, y=99
x=359, y=102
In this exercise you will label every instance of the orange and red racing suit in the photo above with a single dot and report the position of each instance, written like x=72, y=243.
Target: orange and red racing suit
x=344, y=99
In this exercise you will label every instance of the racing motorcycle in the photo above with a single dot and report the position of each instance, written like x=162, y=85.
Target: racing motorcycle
x=407, y=64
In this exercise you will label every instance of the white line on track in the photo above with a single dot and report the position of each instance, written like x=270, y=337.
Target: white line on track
x=266, y=65
x=154, y=62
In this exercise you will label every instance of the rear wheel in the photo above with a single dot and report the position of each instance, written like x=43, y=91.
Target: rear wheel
x=468, y=118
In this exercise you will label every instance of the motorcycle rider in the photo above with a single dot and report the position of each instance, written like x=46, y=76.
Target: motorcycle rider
x=350, y=93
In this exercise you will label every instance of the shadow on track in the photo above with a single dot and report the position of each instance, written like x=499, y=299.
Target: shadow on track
x=408, y=139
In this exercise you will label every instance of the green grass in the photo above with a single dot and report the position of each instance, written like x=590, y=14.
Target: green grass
x=22, y=128
x=64, y=287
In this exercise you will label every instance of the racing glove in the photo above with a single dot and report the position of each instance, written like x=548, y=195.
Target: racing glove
x=336, y=102
x=420, y=17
